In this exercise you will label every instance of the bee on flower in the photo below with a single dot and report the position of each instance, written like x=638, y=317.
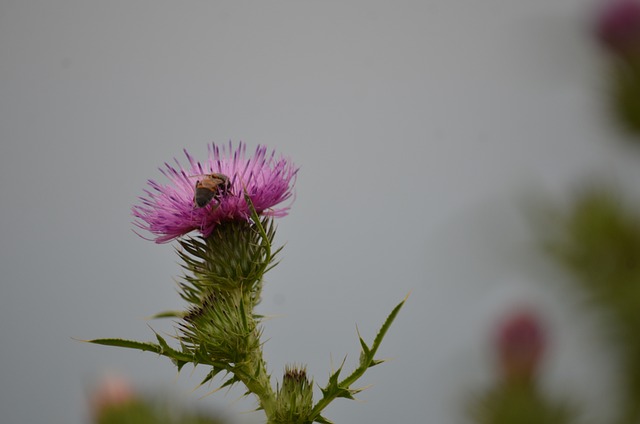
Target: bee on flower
x=202, y=195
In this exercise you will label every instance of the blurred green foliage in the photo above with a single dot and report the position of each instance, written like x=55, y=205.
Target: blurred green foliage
x=519, y=404
x=139, y=411
x=625, y=92
x=598, y=240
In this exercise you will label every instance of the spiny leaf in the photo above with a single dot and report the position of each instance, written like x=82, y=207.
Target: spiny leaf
x=168, y=314
x=375, y=362
x=335, y=389
x=231, y=381
x=387, y=324
x=332, y=384
x=343, y=393
x=179, y=357
x=322, y=420
x=163, y=349
x=365, y=348
x=130, y=344
x=210, y=376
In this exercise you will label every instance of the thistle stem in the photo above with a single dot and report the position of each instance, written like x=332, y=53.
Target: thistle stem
x=254, y=376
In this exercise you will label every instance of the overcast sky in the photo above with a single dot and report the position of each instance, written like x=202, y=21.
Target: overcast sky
x=420, y=128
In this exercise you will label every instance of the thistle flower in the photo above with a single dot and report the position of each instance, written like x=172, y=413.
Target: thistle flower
x=116, y=402
x=618, y=26
x=520, y=343
x=231, y=200
x=169, y=211
x=114, y=391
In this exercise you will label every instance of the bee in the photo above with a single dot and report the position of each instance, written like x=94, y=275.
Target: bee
x=210, y=187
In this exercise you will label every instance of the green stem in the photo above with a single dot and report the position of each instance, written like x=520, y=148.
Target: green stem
x=254, y=375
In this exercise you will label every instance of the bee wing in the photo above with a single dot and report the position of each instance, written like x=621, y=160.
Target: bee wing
x=211, y=175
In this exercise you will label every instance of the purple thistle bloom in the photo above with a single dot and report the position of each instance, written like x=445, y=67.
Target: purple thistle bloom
x=168, y=211
x=618, y=26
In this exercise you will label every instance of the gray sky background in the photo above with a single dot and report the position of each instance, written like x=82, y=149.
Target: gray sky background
x=419, y=128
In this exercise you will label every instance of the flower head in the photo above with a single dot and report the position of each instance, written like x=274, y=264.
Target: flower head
x=170, y=211
x=113, y=392
x=618, y=26
x=520, y=344
x=295, y=398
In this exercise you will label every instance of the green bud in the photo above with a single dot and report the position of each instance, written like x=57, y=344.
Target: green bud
x=235, y=256
x=294, y=403
x=220, y=330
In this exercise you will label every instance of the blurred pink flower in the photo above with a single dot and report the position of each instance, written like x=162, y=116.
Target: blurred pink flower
x=113, y=391
x=618, y=26
x=520, y=344
x=168, y=211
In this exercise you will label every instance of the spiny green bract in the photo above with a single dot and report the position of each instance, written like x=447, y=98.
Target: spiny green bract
x=599, y=242
x=219, y=329
x=235, y=256
x=294, y=402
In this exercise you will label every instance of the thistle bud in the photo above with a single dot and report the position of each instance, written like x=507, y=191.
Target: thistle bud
x=114, y=392
x=235, y=256
x=618, y=27
x=520, y=343
x=618, y=30
x=219, y=330
x=295, y=398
